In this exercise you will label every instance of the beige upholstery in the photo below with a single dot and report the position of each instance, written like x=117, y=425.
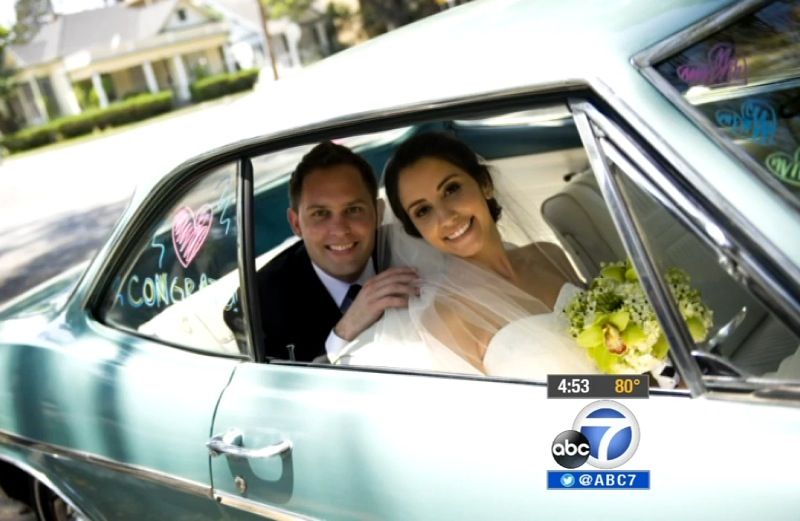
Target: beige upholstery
x=579, y=218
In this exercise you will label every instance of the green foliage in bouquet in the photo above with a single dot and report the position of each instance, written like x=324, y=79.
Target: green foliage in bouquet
x=614, y=321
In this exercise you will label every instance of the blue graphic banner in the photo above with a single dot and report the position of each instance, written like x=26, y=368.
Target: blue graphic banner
x=598, y=479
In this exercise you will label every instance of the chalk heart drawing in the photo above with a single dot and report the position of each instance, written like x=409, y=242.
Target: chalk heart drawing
x=786, y=167
x=189, y=232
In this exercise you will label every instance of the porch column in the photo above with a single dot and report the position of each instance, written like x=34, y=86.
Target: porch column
x=65, y=96
x=29, y=109
x=181, y=78
x=292, y=40
x=227, y=55
x=38, y=101
x=150, y=77
x=97, y=83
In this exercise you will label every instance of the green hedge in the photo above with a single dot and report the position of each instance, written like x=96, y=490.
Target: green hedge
x=132, y=109
x=222, y=84
x=31, y=138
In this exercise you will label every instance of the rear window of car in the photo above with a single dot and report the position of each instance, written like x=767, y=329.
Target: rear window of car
x=745, y=81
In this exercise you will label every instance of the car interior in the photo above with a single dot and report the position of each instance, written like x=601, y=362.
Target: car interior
x=538, y=151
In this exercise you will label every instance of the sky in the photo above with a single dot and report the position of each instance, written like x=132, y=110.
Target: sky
x=60, y=6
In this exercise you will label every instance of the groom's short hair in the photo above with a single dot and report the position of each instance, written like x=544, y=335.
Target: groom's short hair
x=326, y=155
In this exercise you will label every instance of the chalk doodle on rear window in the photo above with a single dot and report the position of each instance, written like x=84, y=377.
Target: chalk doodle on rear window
x=722, y=66
x=784, y=166
x=755, y=120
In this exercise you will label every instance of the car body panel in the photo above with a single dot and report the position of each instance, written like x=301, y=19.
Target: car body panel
x=87, y=389
x=403, y=446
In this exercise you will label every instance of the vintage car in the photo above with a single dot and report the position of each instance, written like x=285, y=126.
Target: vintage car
x=665, y=132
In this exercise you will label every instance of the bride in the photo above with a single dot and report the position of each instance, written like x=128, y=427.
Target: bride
x=484, y=307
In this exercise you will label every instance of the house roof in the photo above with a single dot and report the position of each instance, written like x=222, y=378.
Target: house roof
x=97, y=28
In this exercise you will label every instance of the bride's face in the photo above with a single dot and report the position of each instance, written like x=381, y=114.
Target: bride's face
x=447, y=206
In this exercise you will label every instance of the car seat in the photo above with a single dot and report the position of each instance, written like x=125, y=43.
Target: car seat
x=579, y=218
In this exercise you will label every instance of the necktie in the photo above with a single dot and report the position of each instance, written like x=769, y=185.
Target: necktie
x=352, y=292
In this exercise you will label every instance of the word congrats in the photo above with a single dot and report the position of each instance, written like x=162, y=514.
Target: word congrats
x=598, y=479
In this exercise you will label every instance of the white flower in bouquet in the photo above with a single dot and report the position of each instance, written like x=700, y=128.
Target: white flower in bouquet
x=616, y=324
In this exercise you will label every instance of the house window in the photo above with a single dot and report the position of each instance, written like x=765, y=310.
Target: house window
x=182, y=15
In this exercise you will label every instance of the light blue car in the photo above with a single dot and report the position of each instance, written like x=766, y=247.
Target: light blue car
x=667, y=132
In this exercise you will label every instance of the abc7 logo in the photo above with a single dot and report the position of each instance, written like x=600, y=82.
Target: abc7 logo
x=605, y=433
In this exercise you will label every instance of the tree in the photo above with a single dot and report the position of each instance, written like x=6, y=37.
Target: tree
x=380, y=16
x=29, y=15
x=7, y=84
x=293, y=9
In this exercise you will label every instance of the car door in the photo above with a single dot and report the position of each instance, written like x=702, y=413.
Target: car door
x=123, y=397
x=299, y=441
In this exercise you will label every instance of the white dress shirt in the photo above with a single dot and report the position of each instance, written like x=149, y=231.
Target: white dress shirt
x=337, y=289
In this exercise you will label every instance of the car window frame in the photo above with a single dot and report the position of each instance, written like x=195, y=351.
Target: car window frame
x=352, y=125
x=646, y=60
x=648, y=175
x=452, y=110
x=166, y=191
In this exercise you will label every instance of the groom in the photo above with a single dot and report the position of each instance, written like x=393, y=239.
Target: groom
x=323, y=291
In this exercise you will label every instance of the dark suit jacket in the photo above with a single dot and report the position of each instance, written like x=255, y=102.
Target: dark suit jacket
x=295, y=306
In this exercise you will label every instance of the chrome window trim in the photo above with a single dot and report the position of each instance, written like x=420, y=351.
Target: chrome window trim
x=180, y=484
x=639, y=252
x=659, y=185
x=42, y=478
x=259, y=509
x=645, y=60
x=691, y=214
x=695, y=32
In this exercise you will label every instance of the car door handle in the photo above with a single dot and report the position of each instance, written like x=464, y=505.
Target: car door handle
x=230, y=444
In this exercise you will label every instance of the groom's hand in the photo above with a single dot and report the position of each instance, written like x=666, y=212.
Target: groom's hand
x=389, y=289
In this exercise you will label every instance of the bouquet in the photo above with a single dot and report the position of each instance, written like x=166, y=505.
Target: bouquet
x=614, y=322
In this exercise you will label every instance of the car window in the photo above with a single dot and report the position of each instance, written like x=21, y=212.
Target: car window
x=745, y=81
x=724, y=318
x=181, y=275
x=534, y=154
x=538, y=157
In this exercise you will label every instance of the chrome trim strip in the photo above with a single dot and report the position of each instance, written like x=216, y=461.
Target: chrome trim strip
x=155, y=476
x=635, y=245
x=645, y=60
x=259, y=509
x=42, y=478
x=661, y=186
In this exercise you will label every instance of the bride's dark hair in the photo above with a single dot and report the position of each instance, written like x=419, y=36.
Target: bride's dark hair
x=441, y=146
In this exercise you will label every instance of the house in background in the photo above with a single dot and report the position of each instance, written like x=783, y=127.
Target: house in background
x=294, y=42
x=96, y=57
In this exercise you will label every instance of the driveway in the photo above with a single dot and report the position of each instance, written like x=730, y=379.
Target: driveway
x=58, y=206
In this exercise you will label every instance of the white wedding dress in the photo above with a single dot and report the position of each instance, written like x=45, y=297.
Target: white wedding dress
x=528, y=347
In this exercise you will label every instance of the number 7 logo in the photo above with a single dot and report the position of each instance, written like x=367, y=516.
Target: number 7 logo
x=612, y=431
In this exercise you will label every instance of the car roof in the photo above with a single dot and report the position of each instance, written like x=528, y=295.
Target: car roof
x=484, y=46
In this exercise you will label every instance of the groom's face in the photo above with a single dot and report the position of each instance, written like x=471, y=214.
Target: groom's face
x=337, y=219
